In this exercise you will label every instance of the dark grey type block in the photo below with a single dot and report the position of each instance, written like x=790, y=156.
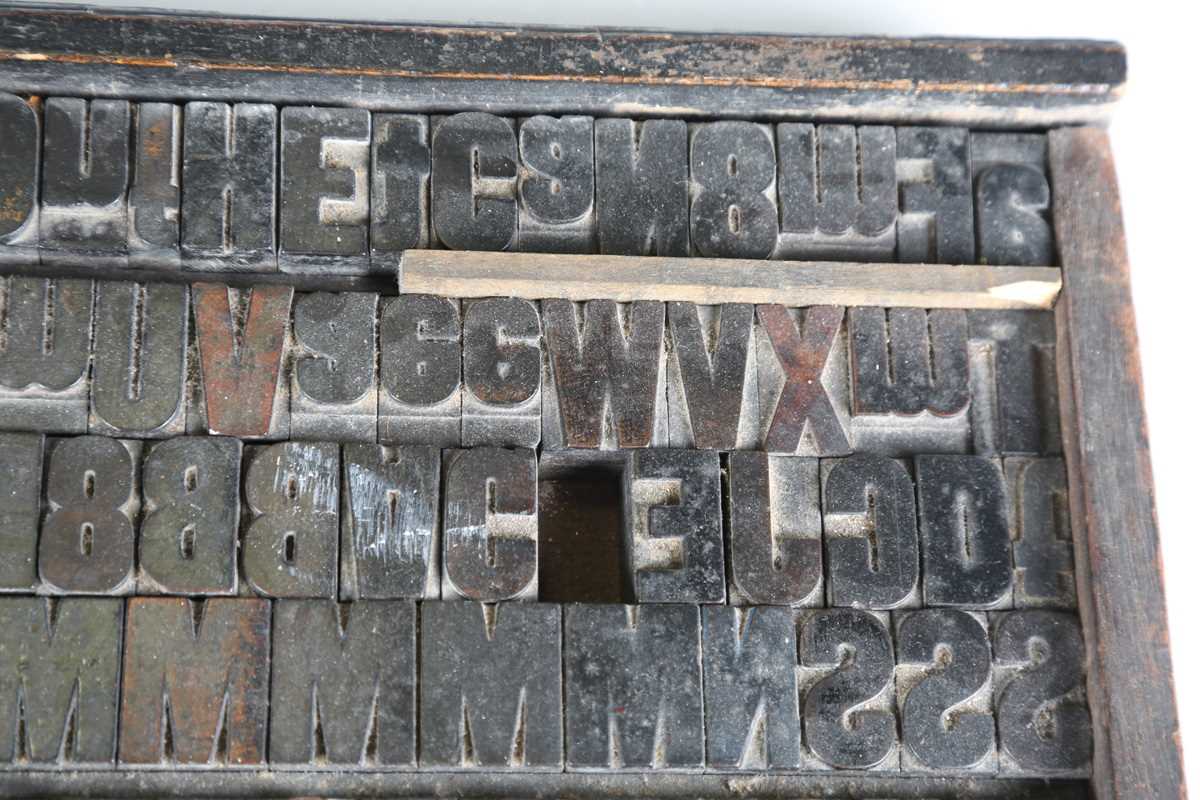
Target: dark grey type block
x=44, y=376
x=1014, y=385
x=673, y=526
x=1041, y=710
x=642, y=187
x=20, y=510
x=502, y=373
x=420, y=371
x=190, y=501
x=556, y=185
x=847, y=703
x=933, y=167
x=605, y=385
x=803, y=396
x=712, y=376
x=324, y=191
x=491, y=686
x=871, y=540
x=20, y=179
x=391, y=507
x=230, y=154
x=944, y=691
x=60, y=667
x=1040, y=524
x=633, y=687
x=837, y=192
x=774, y=506
x=343, y=685
x=966, y=553
x=85, y=175
x=400, y=167
x=1012, y=199
x=335, y=384
x=140, y=359
x=474, y=184
x=490, y=525
x=87, y=538
x=752, y=720
x=733, y=213
x=290, y=548
x=195, y=683
x=909, y=380
x=154, y=191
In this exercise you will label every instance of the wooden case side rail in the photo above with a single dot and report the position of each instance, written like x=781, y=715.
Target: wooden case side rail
x=1130, y=686
x=430, y=68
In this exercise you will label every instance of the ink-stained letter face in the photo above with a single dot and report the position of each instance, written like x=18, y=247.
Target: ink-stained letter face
x=20, y=509
x=733, y=212
x=400, y=166
x=20, y=179
x=642, y=187
x=1012, y=199
x=154, y=191
x=420, y=371
x=933, y=167
x=475, y=182
x=502, y=373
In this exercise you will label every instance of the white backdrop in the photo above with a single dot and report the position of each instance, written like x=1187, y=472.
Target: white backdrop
x=1154, y=133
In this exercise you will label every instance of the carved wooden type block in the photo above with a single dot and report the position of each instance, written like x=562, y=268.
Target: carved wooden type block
x=1012, y=199
x=400, y=167
x=85, y=175
x=490, y=524
x=189, y=529
x=154, y=188
x=474, y=183
x=242, y=338
x=290, y=547
x=20, y=178
x=420, y=371
x=491, y=686
x=60, y=667
x=837, y=192
x=324, y=192
x=502, y=373
x=642, y=187
x=933, y=168
x=673, y=526
x=195, y=683
x=605, y=375
x=335, y=384
x=732, y=172
x=633, y=687
x=774, y=507
x=20, y=510
x=229, y=167
x=391, y=522
x=140, y=359
x=752, y=721
x=556, y=185
x=343, y=685
x=44, y=375
x=1040, y=522
x=87, y=540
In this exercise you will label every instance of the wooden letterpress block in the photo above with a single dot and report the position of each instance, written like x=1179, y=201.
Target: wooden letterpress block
x=229, y=167
x=44, y=376
x=20, y=179
x=774, y=530
x=491, y=686
x=153, y=237
x=189, y=532
x=474, y=182
x=490, y=525
x=752, y=720
x=502, y=373
x=556, y=185
x=1040, y=523
x=391, y=505
x=933, y=167
x=335, y=384
x=60, y=667
x=242, y=337
x=673, y=526
x=633, y=687
x=343, y=685
x=85, y=173
x=605, y=385
x=20, y=510
x=1012, y=199
x=733, y=213
x=324, y=196
x=837, y=192
x=871, y=541
x=195, y=683
x=420, y=371
x=290, y=548
x=642, y=187
x=400, y=167
x=87, y=541
x=140, y=360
